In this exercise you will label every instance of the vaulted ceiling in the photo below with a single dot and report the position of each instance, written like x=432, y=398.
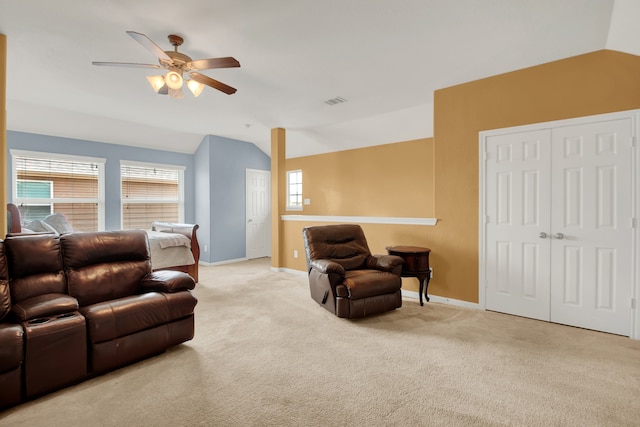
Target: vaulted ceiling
x=384, y=58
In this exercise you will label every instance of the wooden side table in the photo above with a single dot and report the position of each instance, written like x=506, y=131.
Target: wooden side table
x=416, y=264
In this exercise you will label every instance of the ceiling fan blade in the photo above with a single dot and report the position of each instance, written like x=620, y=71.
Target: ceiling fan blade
x=207, y=64
x=126, y=64
x=206, y=80
x=150, y=45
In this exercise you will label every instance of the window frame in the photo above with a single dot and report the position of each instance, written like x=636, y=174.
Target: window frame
x=289, y=206
x=181, y=178
x=98, y=161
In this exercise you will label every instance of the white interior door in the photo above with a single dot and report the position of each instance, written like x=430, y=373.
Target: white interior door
x=518, y=208
x=592, y=226
x=559, y=230
x=258, y=213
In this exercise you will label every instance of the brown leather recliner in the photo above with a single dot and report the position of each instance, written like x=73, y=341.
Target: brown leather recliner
x=55, y=350
x=131, y=312
x=11, y=343
x=81, y=304
x=345, y=278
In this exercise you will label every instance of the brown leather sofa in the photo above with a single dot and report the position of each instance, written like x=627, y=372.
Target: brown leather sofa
x=345, y=278
x=81, y=304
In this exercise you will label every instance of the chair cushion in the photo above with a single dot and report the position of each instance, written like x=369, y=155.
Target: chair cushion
x=369, y=283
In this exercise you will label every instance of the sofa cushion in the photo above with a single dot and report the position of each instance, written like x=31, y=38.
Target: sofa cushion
x=106, y=282
x=113, y=319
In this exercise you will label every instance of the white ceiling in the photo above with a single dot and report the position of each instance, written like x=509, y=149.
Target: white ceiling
x=384, y=57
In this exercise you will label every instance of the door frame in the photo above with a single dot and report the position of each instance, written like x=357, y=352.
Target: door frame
x=634, y=116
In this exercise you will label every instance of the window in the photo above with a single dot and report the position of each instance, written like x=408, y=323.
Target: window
x=151, y=193
x=29, y=190
x=294, y=190
x=46, y=183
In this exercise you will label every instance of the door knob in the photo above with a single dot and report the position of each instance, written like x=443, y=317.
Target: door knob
x=542, y=235
x=559, y=236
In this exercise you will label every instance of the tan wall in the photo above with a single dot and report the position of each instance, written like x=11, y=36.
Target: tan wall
x=392, y=180
x=359, y=182
x=384, y=180
x=595, y=83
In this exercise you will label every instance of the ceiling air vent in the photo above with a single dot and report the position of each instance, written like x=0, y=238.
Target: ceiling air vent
x=334, y=101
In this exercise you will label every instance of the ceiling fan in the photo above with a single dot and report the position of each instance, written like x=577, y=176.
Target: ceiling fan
x=178, y=66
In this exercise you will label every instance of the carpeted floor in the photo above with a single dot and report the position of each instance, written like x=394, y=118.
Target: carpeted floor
x=265, y=354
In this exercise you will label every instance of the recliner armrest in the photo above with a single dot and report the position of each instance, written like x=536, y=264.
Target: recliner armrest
x=327, y=266
x=385, y=262
x=44, y=306
x=167, y=281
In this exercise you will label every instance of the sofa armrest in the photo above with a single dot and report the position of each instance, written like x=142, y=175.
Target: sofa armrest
x=44, y=306
x=386, y=263
x=327, y=266
x=167, y=281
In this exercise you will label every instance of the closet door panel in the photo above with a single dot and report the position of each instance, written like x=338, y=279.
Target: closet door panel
x=591, y=225
x=517, y=205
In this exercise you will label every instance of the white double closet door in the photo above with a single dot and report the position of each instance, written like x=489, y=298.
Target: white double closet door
x=558, y=240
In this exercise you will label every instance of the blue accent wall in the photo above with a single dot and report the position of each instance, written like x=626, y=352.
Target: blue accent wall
x=226, y=162
x=113, y=153
x=203, y=198
x=214, y=183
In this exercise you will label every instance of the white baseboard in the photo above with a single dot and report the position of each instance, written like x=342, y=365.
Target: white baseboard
x=442, y=300
x=405, y=294
x=288, y=270
x=228, y=261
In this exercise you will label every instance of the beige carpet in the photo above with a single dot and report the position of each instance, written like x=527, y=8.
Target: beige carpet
x=265, y=354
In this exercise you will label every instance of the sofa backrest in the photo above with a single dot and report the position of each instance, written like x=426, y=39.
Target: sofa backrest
x=34, y=266
x=342, y=243
x=5, y=295
x=105, y=265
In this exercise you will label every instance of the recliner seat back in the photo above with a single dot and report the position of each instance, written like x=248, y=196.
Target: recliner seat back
x=105, y=266
x=342, y=243
x=35, y=266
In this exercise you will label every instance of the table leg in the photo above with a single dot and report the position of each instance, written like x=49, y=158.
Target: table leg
x=422, y=280
x=426, y=286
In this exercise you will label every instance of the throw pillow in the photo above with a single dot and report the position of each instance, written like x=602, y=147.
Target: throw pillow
x=59, y=223
x=40, y=227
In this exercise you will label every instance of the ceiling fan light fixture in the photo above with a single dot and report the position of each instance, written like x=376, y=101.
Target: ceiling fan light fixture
x=176, y=93
x=173, y=79
x=157, y=83
x=195, y=87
